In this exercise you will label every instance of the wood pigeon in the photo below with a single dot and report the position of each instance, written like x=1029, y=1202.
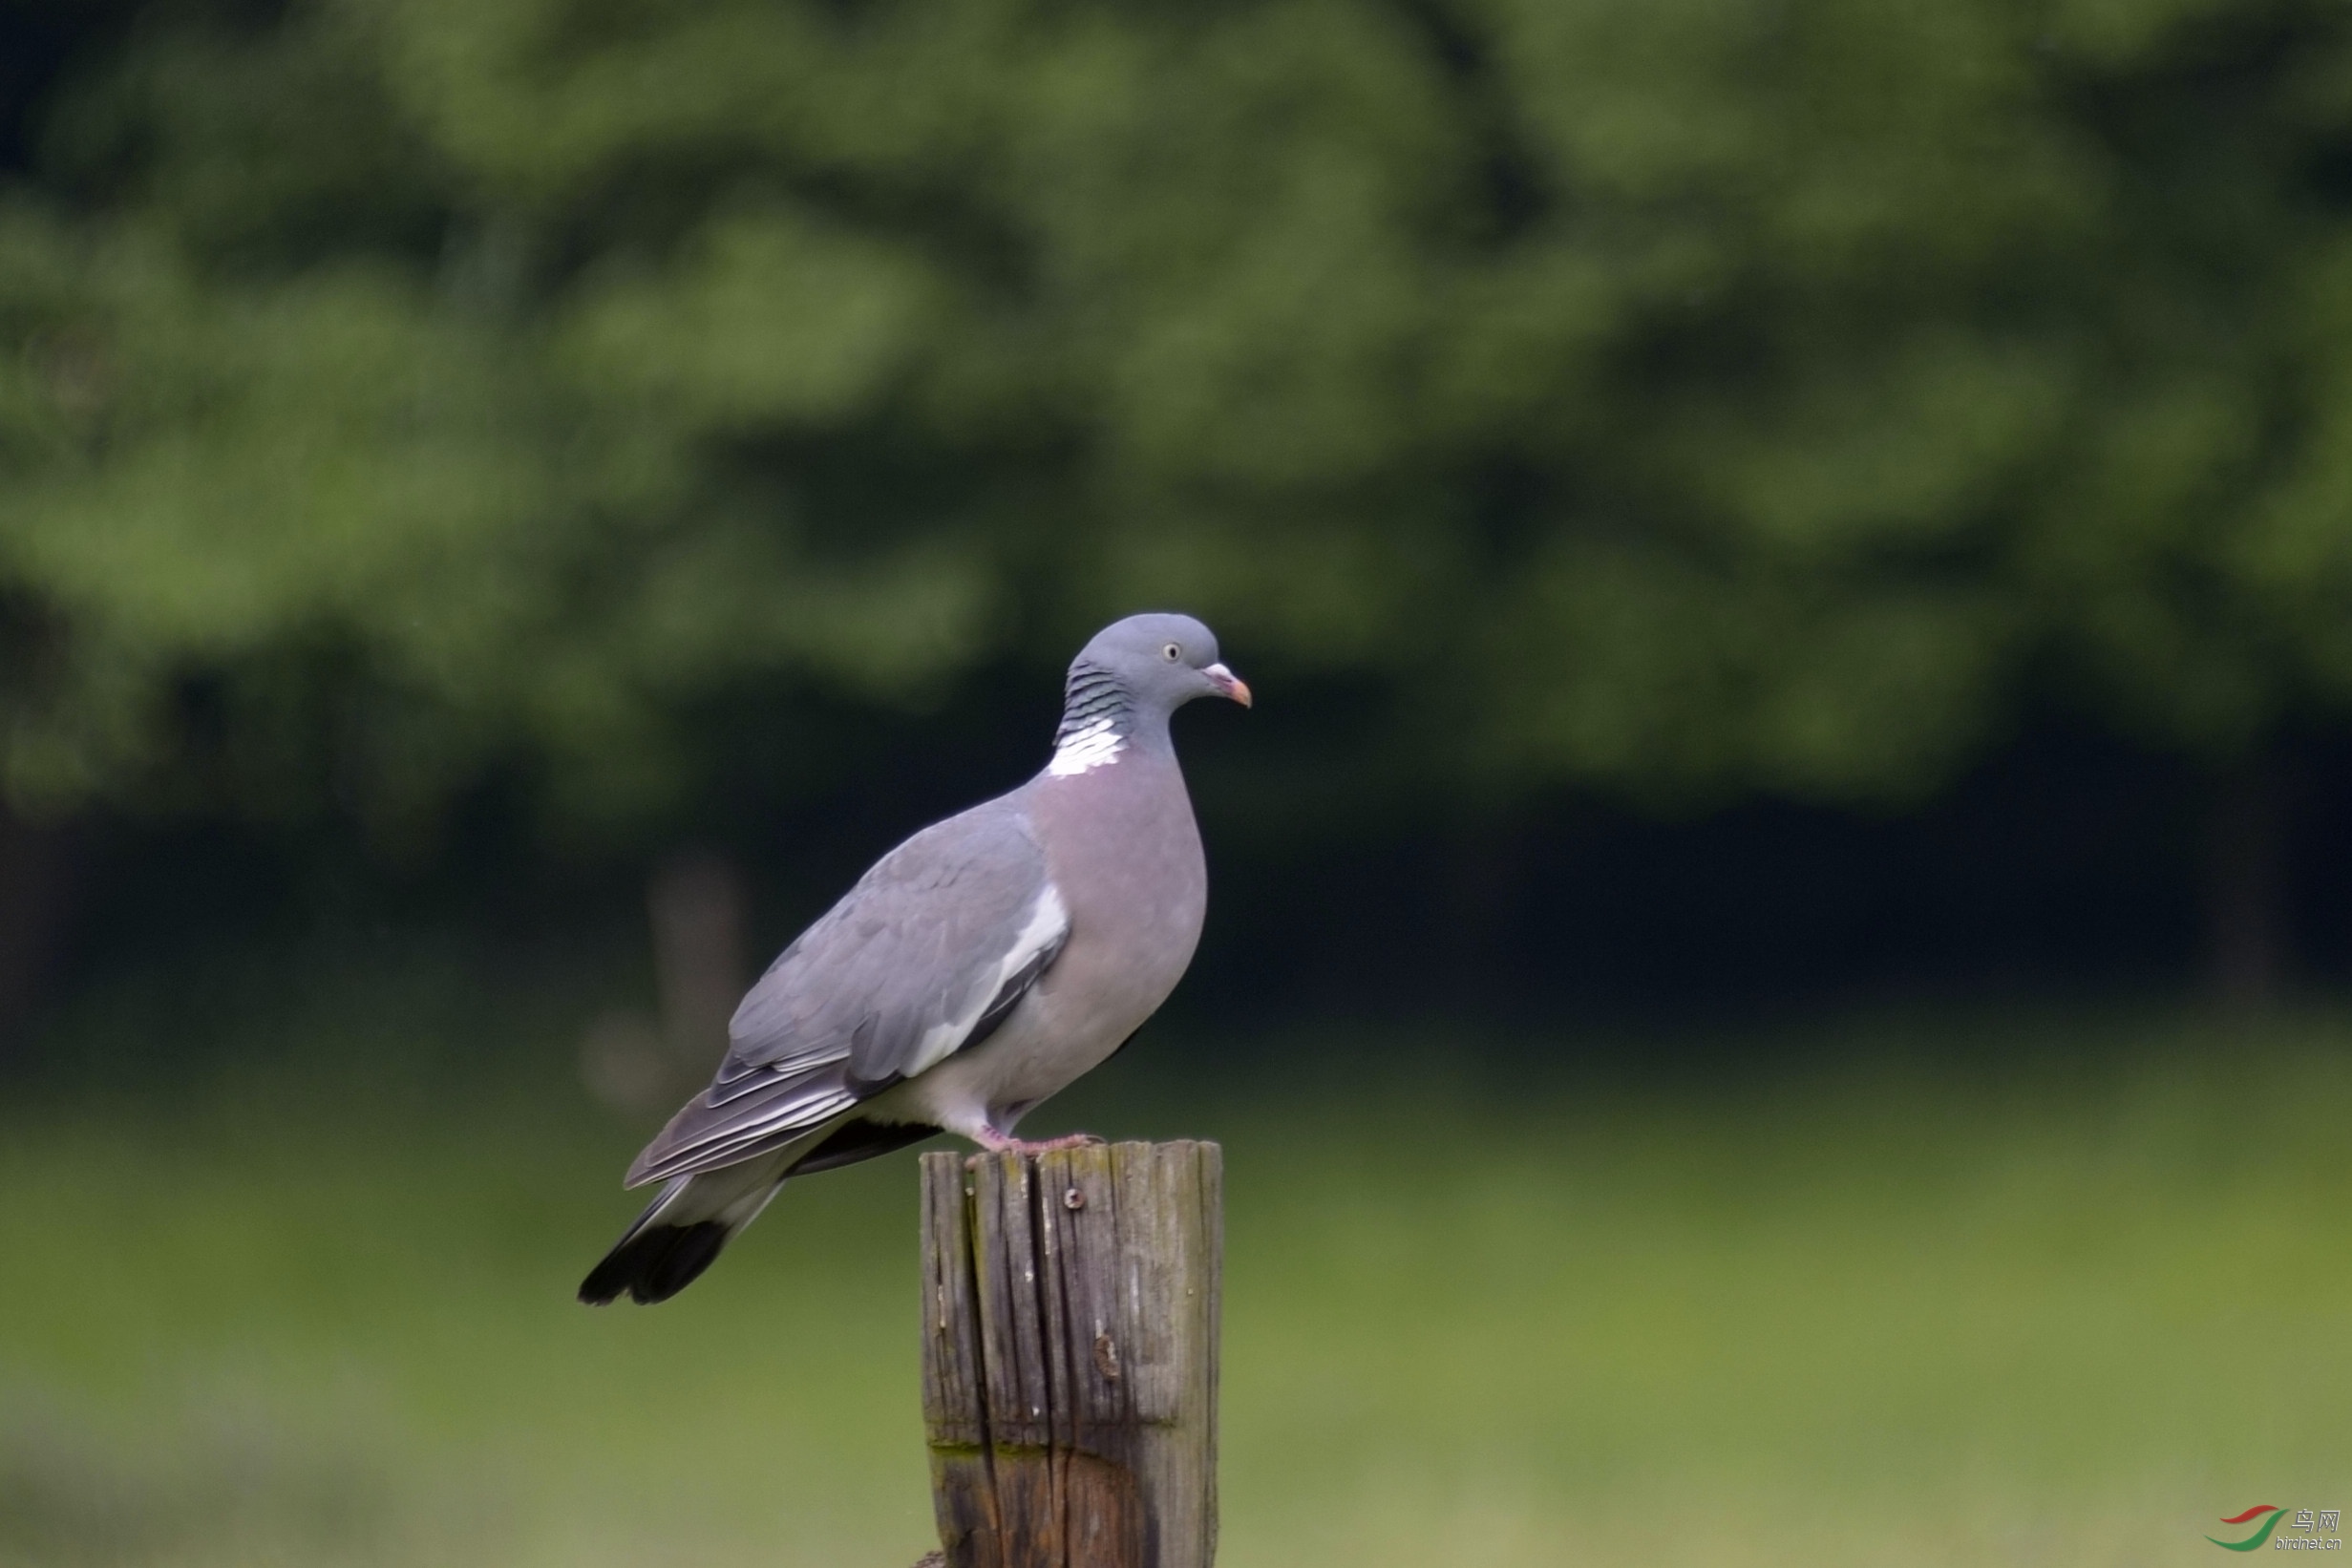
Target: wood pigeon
x=981, y=966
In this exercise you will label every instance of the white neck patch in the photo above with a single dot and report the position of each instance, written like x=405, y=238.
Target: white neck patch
x=1090, y=746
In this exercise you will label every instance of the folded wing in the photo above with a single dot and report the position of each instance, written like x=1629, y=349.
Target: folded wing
x=921, y=959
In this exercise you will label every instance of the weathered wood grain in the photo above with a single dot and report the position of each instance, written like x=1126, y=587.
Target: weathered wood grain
x=1069, y=1355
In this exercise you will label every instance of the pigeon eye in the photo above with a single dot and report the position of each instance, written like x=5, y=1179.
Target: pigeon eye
x=1172, y=653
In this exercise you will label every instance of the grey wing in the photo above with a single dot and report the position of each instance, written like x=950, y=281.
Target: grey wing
x=923, y=956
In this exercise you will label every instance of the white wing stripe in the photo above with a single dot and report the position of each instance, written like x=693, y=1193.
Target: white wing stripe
x=1049, y=922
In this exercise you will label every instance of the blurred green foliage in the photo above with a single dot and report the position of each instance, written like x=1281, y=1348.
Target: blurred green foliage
x=1686, y=396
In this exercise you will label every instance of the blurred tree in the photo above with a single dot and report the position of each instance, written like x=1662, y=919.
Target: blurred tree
x=1687, y=397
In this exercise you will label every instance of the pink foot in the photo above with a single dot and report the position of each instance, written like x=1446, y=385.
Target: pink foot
x=998, y=1143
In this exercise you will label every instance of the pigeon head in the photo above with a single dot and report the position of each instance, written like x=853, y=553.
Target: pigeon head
x=1159, y=661
x=1128, y=679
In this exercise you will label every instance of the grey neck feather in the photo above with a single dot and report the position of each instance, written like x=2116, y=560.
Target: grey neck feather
x=1093, y=694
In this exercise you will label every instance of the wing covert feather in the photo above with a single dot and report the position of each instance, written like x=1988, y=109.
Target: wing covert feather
x=924, y=955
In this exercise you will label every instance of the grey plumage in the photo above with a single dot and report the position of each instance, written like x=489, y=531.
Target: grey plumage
x=907, y=965
x=982, y=966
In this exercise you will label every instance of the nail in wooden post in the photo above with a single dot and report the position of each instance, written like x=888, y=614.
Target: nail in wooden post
x=1069, y=1355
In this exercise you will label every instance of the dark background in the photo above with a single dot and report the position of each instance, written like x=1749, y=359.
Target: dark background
x=2067, y=868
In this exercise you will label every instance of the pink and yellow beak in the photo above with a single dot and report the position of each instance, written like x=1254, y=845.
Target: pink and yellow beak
x=1227, y=683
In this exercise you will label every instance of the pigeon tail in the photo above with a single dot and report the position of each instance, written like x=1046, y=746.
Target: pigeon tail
x=682, y=1232
x=654, y=1264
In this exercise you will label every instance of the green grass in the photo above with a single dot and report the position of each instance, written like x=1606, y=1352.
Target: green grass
x=2067, y=1306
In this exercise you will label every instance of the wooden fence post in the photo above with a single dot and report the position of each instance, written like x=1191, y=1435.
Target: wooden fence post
x=1069, y=1355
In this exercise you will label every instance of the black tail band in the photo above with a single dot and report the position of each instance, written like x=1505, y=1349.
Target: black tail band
x=654, y=1264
